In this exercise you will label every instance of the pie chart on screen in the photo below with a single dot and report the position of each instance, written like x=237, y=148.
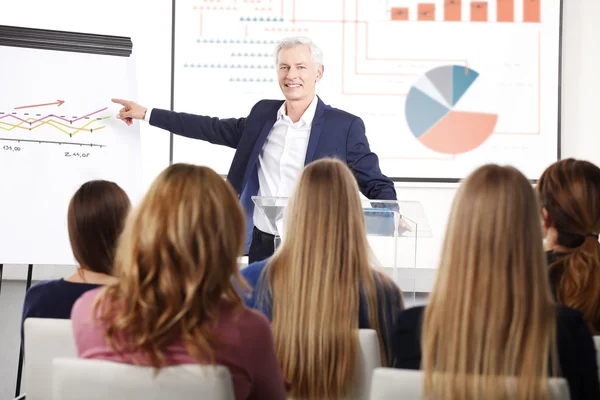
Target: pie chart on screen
x=433, y=117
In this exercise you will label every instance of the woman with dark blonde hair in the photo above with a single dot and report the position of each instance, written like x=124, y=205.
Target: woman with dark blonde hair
x=491, y=316
x=319, y=288
x=175, y=301
x=569, y=193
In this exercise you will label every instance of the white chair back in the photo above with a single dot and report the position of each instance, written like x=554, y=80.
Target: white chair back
x=45, y=339
x=368, y=359
x=392, y=384
x=597, y=345
x=76, y=379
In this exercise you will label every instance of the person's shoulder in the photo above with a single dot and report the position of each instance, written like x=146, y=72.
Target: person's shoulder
x=383, y=281
x=253, y=271
x=413, y=312
x=410, y=318
x=387, y=289
x=43, y=287
x=567, y=314
x=337, y=112
x=266, y=105
x=85, y=302
x=253, y=324
x=40, y=290
x=269, y=102
x=38, y=295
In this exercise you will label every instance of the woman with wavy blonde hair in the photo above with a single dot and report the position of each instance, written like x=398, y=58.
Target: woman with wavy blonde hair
x=569, y=192
x=491, y=317
x=319, y=288
x=176, y=299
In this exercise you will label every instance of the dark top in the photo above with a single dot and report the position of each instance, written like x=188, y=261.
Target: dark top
x=53, y=299
x=389, y=299
x=576, y=351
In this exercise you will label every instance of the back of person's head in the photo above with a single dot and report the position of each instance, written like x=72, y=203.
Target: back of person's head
x=569, y=192
x=176, y=266
x=491, y=313
x=95, y=219
x=315, y=280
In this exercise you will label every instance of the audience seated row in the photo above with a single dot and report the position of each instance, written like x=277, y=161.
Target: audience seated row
x=176, y=295
x=175, y=299
x=49, y=339
x=491, y=311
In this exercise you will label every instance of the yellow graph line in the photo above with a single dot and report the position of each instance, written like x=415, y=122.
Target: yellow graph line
x=51, y=122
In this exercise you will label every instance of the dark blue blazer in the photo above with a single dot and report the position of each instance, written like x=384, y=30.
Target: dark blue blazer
x=334, y=133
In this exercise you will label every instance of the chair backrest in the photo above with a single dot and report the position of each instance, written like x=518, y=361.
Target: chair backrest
x=45, y=339
x=368, y=359
x=597, y=345
x=391, y=383
x=76, y=379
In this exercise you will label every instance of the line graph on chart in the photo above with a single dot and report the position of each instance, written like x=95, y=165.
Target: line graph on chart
x=54, y=128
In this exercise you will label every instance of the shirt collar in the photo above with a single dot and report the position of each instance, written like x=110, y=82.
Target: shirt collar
x=308, y=115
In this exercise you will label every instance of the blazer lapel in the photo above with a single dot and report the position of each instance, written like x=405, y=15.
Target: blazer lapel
x=260, y=142
x=315, y=132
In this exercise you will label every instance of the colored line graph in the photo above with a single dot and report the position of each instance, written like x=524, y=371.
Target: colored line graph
x=55, y=116
x=52, y=124
x=54, y=121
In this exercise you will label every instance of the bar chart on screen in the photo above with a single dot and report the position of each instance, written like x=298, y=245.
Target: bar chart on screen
x=387, y=62
x=529, y=11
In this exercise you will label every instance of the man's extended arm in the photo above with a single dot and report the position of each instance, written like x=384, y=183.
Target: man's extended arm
x=225, y=132
x=365, y=165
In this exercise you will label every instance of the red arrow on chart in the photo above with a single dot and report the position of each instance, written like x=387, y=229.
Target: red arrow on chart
x=59, y=102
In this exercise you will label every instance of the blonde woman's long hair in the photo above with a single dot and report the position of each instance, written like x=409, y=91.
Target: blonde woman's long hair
x=491, y=314
x=316, y=280
x=176, y=267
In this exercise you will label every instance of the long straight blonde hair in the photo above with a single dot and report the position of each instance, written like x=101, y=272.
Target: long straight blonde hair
x=176, y=266
x=316, y=280
x=491, y=314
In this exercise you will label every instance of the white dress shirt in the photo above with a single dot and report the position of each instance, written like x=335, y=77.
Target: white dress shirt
x=148, y=114
x=281, y=159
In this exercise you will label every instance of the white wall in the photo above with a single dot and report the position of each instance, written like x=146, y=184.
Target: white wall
x=150, y=28
x=581, y=81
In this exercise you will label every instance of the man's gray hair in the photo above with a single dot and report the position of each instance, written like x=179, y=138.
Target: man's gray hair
x=315, y=52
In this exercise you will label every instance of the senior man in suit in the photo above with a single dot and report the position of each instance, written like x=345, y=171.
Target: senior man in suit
x=278, y=138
